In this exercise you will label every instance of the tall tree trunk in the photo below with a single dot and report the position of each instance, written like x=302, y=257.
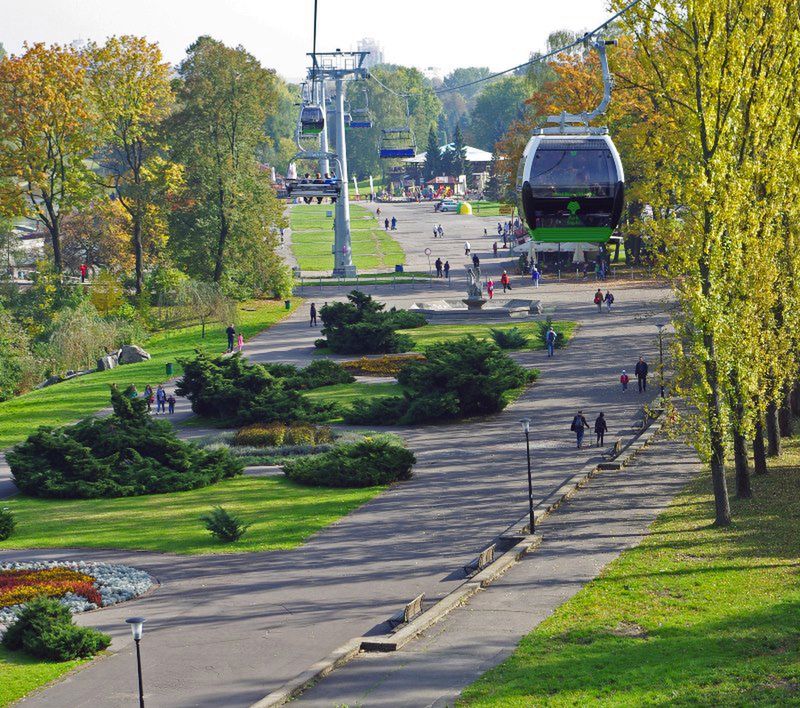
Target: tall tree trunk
x=55, y=237
x=137, y=252
x=794, y=399
x=773, y=435
x=743, y=490
x=722, y=505
x=785, y=418
x=224, y=229
x=759, y=451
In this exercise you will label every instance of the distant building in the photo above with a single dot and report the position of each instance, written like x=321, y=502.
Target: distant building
x=375, y=50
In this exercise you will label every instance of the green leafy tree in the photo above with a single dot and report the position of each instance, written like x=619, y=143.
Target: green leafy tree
x=496, y=107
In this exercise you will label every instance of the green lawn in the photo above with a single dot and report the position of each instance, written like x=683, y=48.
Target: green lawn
x=312, y=238
x=433, y=333
x=694, y=615
x=20, y=673
x=346, y=394
x=66, y=402
x=283, y=515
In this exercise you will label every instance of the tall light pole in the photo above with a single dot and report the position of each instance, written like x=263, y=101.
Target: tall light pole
x=137, y=629
x=526, y=428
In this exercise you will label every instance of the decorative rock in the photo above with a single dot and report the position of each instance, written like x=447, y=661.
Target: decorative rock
x=132, y=354
x=107, y=362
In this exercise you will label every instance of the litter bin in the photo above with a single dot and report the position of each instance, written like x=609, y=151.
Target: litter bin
x=169, y=368
x=398, y=269
x=287, y=304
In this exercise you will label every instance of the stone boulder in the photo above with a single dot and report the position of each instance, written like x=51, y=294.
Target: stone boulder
x=131, y=354
x=107, y=362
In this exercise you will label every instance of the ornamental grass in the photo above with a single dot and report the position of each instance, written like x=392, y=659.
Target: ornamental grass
x=386, y=365
x=20, y=586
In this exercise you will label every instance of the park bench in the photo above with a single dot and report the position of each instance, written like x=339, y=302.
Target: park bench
x=409, y=612
x=486, y=556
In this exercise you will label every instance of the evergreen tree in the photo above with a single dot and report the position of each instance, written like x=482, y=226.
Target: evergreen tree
x=458, y=152
x=433, y=159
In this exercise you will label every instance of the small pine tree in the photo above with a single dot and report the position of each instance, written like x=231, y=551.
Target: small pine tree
x=458, y=152
x=433, y=161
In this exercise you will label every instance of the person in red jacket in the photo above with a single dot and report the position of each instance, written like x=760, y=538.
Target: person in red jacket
x=623, y=379
x=84, y=269
x=506, y=281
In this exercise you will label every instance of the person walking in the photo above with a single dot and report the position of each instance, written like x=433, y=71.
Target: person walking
x=608, y=300
x=641, y=374
x=394, y=223
x=600, y=429
x=506, y=281
x=485, y=232
x=494, y=249
x=438, y=264
x=467, y=248
x=240, y=342
x=536, y=276
x=435, y=231
x=161, y=400
x=231, y=332
x=171, y=403
x=148, y=397
x=624, y=379
x=386, y=224
x=84, y=269
x=313, y=320
x=447, y=269
x=476, y=261
x=490, y=288
x=550, y=340
x=579, y=426
x=598, y=299
x=499, y=229
x=441, y=231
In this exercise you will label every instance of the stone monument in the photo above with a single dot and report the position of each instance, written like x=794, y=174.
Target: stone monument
x=474, y=299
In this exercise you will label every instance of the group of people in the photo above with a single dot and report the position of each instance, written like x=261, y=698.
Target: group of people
x=234, y=340
x=438, y=231
x=390, y=223
x=442, y=269
x=640, y=372
x=505, y=281
x=599, y=299
x=164, y=401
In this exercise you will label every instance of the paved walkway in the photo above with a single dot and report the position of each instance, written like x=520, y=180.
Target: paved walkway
x=584, y=534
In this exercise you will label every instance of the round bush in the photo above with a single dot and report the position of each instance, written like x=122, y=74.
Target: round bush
x=368, y=463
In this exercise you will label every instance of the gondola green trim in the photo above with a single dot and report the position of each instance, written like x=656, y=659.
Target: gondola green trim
x=572, y=234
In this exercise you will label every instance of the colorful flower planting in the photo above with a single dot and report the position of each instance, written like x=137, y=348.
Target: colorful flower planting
x=80, y=586
x=386, y=365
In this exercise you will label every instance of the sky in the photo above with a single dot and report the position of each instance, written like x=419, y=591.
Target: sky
x=417, y=33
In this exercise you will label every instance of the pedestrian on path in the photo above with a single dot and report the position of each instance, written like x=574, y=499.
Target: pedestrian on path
x=499, y=229
x=506, y=281
x=467, y=248
x=447, y=269
x=171, y=403
x=240, y=342
x=535, y=276
x=435, y=231
x=148, y=397
x=386, y=224
x=476, y=261
x=394, y=223
x=161, y=400
x=441, y=231
x=641, y=374
x=550, y=340
x=494, y=249
x=84, y=270
x=598, y=299
x=608, y=300
x=579, y=426
x=600, y=428
x=624, y=379
x=313, y=321
x=438, y=264
x=231, y=332
x=131, y=392
x=490, y=288
x=485, y=232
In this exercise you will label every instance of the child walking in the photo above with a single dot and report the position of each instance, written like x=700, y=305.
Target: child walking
x=623, y=379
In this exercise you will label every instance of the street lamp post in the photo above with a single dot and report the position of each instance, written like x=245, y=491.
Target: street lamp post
x=137, y=629
x=526, y=428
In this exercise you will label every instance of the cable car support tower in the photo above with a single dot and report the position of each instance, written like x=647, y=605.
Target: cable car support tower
x=340, y=67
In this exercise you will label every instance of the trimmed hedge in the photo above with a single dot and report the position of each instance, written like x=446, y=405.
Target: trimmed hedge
x=44, y=628
x=232, y=390
x=369, y=463
x=460, y=378
x=126, y=454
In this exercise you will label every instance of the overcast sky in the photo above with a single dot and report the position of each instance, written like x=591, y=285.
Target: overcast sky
x=418, y=33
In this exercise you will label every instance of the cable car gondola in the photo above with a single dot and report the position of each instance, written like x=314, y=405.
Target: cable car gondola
x=312, y=120
x=570, y=178
x=397, y=142
x=360, y=116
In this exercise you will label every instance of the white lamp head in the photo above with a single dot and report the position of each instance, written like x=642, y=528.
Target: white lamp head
x=526, y=425
x=137, y=627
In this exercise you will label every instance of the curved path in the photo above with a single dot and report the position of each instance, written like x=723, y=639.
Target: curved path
x=226, y=630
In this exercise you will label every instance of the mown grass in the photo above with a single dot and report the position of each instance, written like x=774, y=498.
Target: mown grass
x=345, y=395
x=312, y=238
x=282, y=515
x=694, y=615
x=74, y=399
x=434, y=333
x=20, y=674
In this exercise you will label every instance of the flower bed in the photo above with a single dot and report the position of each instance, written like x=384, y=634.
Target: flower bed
x=80, y=586
x=386, y=365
